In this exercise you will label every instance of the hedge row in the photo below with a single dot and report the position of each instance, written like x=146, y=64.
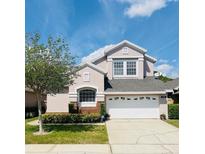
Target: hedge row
x=71, y=118
x=173, y=111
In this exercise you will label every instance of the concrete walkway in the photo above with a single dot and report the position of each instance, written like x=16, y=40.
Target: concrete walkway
x=150, y=136
x=68, y=149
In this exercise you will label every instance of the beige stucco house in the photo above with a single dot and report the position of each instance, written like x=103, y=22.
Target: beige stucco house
x=122, y=78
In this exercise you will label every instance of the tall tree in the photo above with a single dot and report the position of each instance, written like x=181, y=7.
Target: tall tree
x=49, y=67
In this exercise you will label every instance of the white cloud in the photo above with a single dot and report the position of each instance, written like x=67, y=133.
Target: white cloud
x=144, y=7
x=163, y=61
x=97, y=53
x=167, y=70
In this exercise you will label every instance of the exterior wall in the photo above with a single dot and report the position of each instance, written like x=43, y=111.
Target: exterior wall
x=90, y=109
x=96, y=81
x=149, y=68
x=118, y=53
x=57, y=103
x=163, y=107
x=30, y=99
x=141, y=68
x=109, y=65
x=144, y=66
x=170, y=101
x=102, y=63
x=131, y=54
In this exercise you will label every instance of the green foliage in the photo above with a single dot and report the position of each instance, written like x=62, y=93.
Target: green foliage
x=72, y=108
x=70, y=118
x=173, y=111
x=49, y=67
x=102, y=109
x=164, y=78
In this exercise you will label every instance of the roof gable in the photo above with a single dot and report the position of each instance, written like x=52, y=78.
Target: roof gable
x=95, y=67
x=128, y=44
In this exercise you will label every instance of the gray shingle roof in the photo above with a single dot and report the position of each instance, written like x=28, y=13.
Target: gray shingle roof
x=172, y=84
x=136, y=85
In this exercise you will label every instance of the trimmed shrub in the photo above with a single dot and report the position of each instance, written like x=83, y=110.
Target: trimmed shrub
x=173, y=111
x=71, y=118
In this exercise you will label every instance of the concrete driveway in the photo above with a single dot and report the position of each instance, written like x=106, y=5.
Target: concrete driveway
x=150, y=136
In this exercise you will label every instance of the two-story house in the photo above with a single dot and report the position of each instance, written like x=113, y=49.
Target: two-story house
x=123, y=79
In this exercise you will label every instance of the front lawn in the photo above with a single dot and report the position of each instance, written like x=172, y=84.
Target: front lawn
x=173, y=122
x=67, y=134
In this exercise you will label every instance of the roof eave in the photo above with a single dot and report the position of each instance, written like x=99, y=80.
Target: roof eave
x=82, y=65
x=151, y=58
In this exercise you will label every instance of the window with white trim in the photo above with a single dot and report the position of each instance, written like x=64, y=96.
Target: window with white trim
x=87, y=95
x=118, y=67
x=131, y=67
x=124, y=68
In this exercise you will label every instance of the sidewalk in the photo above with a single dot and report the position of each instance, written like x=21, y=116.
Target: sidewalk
x=67, y=149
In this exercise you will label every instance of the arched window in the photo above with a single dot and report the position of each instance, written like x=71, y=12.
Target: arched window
x=87, y=95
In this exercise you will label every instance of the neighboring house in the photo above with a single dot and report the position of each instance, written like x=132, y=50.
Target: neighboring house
x=31, y=100
x=123, y=79
x=173, y=94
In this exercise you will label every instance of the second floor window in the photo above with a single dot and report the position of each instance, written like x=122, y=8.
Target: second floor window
x=124, y=68
x=118, y=68
x=131, y=67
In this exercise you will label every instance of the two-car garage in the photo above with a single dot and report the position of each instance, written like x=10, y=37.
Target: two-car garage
x=146, y=106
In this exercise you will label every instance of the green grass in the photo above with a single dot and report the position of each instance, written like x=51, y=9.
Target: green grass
x=70, y=134
x=173, y=122
x=30, y=119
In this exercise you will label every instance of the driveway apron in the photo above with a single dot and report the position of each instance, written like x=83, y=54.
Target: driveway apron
x=144, y=136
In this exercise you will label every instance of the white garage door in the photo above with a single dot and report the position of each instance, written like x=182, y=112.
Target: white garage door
x=133, y=106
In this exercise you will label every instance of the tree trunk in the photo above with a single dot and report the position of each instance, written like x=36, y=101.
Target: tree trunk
x=38, y=95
